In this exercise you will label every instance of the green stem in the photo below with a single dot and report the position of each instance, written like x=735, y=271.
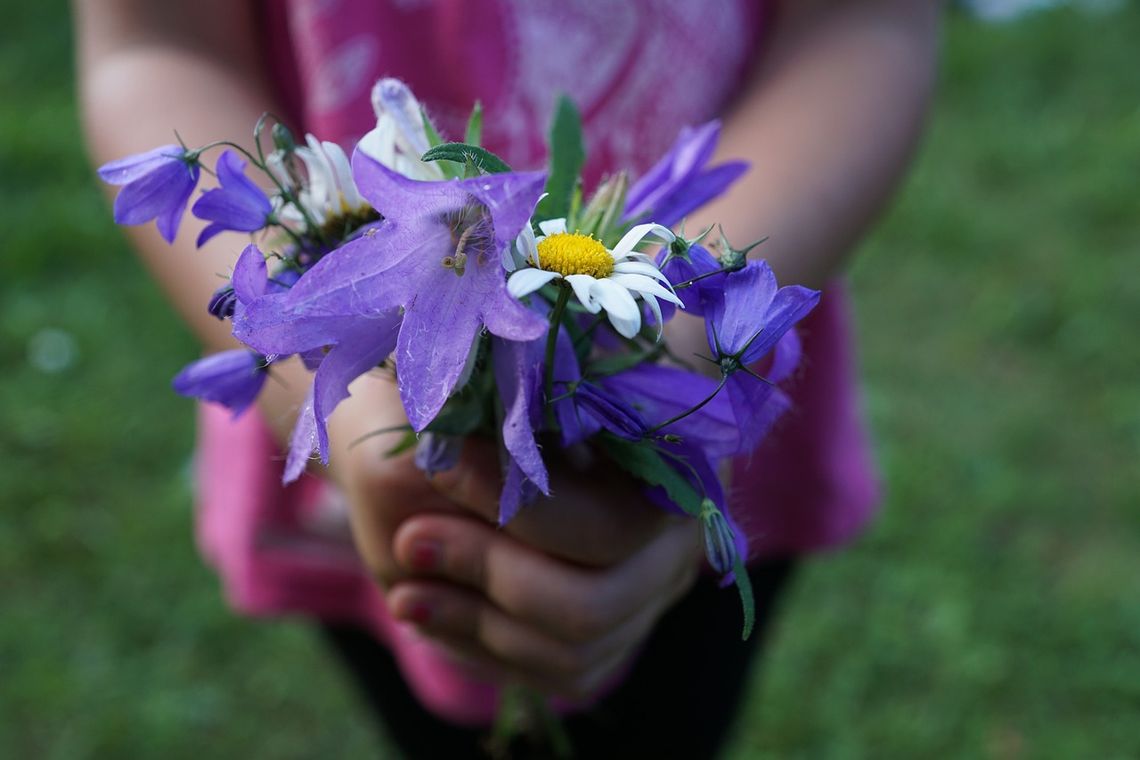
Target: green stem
x=551, y=344
x=683, y=415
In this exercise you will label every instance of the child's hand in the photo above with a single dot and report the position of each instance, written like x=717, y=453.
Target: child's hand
x=562, y=597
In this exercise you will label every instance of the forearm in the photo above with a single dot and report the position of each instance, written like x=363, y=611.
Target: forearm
x=146, y=69
x=829, y=122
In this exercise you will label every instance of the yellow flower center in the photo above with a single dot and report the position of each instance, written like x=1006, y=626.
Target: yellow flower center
x=574, y=253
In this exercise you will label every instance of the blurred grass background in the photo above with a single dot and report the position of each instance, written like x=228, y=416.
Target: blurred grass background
x=993, y=611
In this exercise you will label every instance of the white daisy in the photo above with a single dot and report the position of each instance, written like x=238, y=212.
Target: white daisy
x=601, y=278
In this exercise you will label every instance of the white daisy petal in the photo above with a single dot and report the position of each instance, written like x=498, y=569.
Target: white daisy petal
x=528, y=245
x=656, y=309
x=552, y=226
x=622, y=311
x=342, y=171
x=526, y=281
x=630, y=239
x=640, y=267
x=584, y=286
x=643, y=284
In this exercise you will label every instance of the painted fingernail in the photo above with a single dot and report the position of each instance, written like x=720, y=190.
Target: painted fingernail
x=419, y=613
x=426, y=555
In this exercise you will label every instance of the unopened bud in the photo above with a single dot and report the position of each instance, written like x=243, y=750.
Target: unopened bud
x=223, y=301
x=283, y=138
x=436, y=452
x=720, y=543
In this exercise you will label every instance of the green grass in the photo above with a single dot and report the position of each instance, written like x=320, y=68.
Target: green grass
x=993, y=611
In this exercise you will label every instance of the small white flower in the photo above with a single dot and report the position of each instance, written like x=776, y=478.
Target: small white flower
x=329, y=191
x=399, y=138
x=601, y=278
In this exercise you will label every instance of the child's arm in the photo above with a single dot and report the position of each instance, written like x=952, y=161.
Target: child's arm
x=829, y=123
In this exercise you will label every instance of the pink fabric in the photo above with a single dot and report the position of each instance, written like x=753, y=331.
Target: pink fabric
x=639, y=70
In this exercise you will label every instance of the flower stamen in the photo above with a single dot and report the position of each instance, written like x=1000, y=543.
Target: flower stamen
x=570, y=253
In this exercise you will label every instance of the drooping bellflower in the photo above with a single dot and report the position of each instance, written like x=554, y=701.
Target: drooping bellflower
x=755, y=317
x=238, y=205
x=680, y=183
x=230, y=378
x=683, y=261
x=156, y=185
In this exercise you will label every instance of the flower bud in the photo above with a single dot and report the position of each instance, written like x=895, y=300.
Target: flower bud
x=223, y=301
x=720, y=543
x=283, y=138
x=436, y=452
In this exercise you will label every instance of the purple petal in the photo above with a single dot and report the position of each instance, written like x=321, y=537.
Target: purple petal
x=790, y=305
x=691, y=150
x=161, y=194
x=610, y=412
x=360, y=349
x=679, y=268
x=786, y=357
x=696, y=192
x=250, y=278
x=230, y=378
x=302, y=442
x=436, y=452
x=517, y=492
x=238, y=205
x=736, y=319
x=756, y=405
x=127, y=170
x=518, y=375
x=660, y=393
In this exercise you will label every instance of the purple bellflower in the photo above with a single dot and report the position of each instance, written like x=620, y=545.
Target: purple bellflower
x=230, y=378
x=239, y=205
x=449, y=280
x=682, y=261
x=608, y=411
x=659, y=393
x=679, y=183
x=754, y=318
x=222, y=302
x=437, y=256
x=156, y=185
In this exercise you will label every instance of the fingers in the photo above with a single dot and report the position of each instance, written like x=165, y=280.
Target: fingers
x=596, y=517
x=506, y=650
x=568, y=602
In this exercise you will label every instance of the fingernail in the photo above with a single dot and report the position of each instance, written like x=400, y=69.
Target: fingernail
x=418, y=613
x=426, y=555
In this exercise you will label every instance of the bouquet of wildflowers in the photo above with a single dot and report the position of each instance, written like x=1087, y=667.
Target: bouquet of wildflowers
x=508, y=304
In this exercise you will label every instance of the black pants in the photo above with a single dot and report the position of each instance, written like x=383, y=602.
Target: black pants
x=679, y=700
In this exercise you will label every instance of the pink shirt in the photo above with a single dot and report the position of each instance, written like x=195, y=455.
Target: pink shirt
x=638, y=70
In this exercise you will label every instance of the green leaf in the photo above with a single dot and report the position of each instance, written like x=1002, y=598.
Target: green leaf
x=462, y=153
x=475, y=126
x=566, y=158
x=451, y=170
x=406, y=442
x=429, y=129
x=643, y=460
x=747, y=603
